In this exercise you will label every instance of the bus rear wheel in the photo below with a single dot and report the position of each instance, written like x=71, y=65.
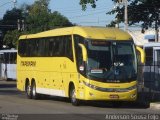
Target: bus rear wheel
x=33, y=91
x=28, y=91
x=73, y=98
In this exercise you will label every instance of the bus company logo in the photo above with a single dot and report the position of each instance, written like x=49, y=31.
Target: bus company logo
x=28, y=63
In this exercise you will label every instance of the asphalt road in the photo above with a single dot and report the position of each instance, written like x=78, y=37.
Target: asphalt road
x=14, y=104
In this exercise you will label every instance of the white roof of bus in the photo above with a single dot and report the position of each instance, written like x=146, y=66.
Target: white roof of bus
x=152, y=44
x=5, y=51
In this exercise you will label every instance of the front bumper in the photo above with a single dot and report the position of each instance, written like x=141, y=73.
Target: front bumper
x=91, y=94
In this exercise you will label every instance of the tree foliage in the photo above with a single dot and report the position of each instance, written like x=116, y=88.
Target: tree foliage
x=112, y=24
x=38, y=17
x=11, y=17
x=145, y=12
x=11, y=37
x=9, y=21
x=83, y=3
x=9, y=24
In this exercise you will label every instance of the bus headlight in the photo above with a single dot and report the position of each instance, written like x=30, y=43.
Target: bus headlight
x=91, y=86
x=132, y=87
x=110, y=89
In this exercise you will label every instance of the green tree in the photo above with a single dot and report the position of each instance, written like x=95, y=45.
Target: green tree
x=112, y=24
x=11, y=37
x=9, y=22
x=83, y=3
x=38, y=17
x=11, y=17
x=145, y=12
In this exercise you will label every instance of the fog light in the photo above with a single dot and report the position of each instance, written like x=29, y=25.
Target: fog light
x=133, y=95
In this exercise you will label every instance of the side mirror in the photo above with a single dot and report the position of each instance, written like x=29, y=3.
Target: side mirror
x=84, y=52
x=142, y=54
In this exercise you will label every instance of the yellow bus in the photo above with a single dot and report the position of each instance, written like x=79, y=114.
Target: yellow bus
x=80, y=63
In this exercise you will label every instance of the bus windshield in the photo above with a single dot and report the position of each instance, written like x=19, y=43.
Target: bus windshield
x=111, y=61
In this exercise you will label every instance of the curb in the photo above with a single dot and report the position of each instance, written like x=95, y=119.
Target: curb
x=155, y=105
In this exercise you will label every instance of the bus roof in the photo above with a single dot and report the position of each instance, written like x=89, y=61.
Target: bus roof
x=152, y=44
x=87, y=32
x=8, y=51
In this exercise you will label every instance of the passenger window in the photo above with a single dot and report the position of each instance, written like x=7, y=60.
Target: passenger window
x=46, y=45
x=68, y=47
x=32, y=48
x=22, y=48
x=51, y=47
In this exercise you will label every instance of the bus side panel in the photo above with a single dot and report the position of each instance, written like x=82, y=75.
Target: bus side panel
x=11, y=71
x=20, y=81
x=48, y=78
x=23, y=73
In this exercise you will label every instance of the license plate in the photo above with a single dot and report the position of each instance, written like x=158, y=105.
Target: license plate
x=114, y=96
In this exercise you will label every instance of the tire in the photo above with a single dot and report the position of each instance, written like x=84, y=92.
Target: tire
x=73, y=99
x=33, y=91
x=28, y=91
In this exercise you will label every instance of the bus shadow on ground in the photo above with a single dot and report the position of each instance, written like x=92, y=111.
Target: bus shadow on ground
x=120, y=105
x=9, y=92
x=54, y=98
x=101, y=104
x=7, y=86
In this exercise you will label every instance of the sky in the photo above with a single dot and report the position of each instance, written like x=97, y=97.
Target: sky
x=72, y=10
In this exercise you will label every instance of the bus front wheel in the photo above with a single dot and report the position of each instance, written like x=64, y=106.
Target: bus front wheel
x=73, y=98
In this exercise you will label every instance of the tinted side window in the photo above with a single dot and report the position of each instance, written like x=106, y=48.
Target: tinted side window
x=32, y=48
x=60, y=46
x=46, y=48
x=51, y=47
x=68, y=47
x=22, y=47
x=57, y=46
x=40, y=47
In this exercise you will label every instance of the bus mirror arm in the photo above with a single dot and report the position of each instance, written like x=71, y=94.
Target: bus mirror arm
x=142, y=54
x=84, y=52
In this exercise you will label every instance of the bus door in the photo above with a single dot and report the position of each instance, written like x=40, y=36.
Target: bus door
x=10, y=65
x=2, y=66
x=67, y=63
x=156, y=59
x=148, y=70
